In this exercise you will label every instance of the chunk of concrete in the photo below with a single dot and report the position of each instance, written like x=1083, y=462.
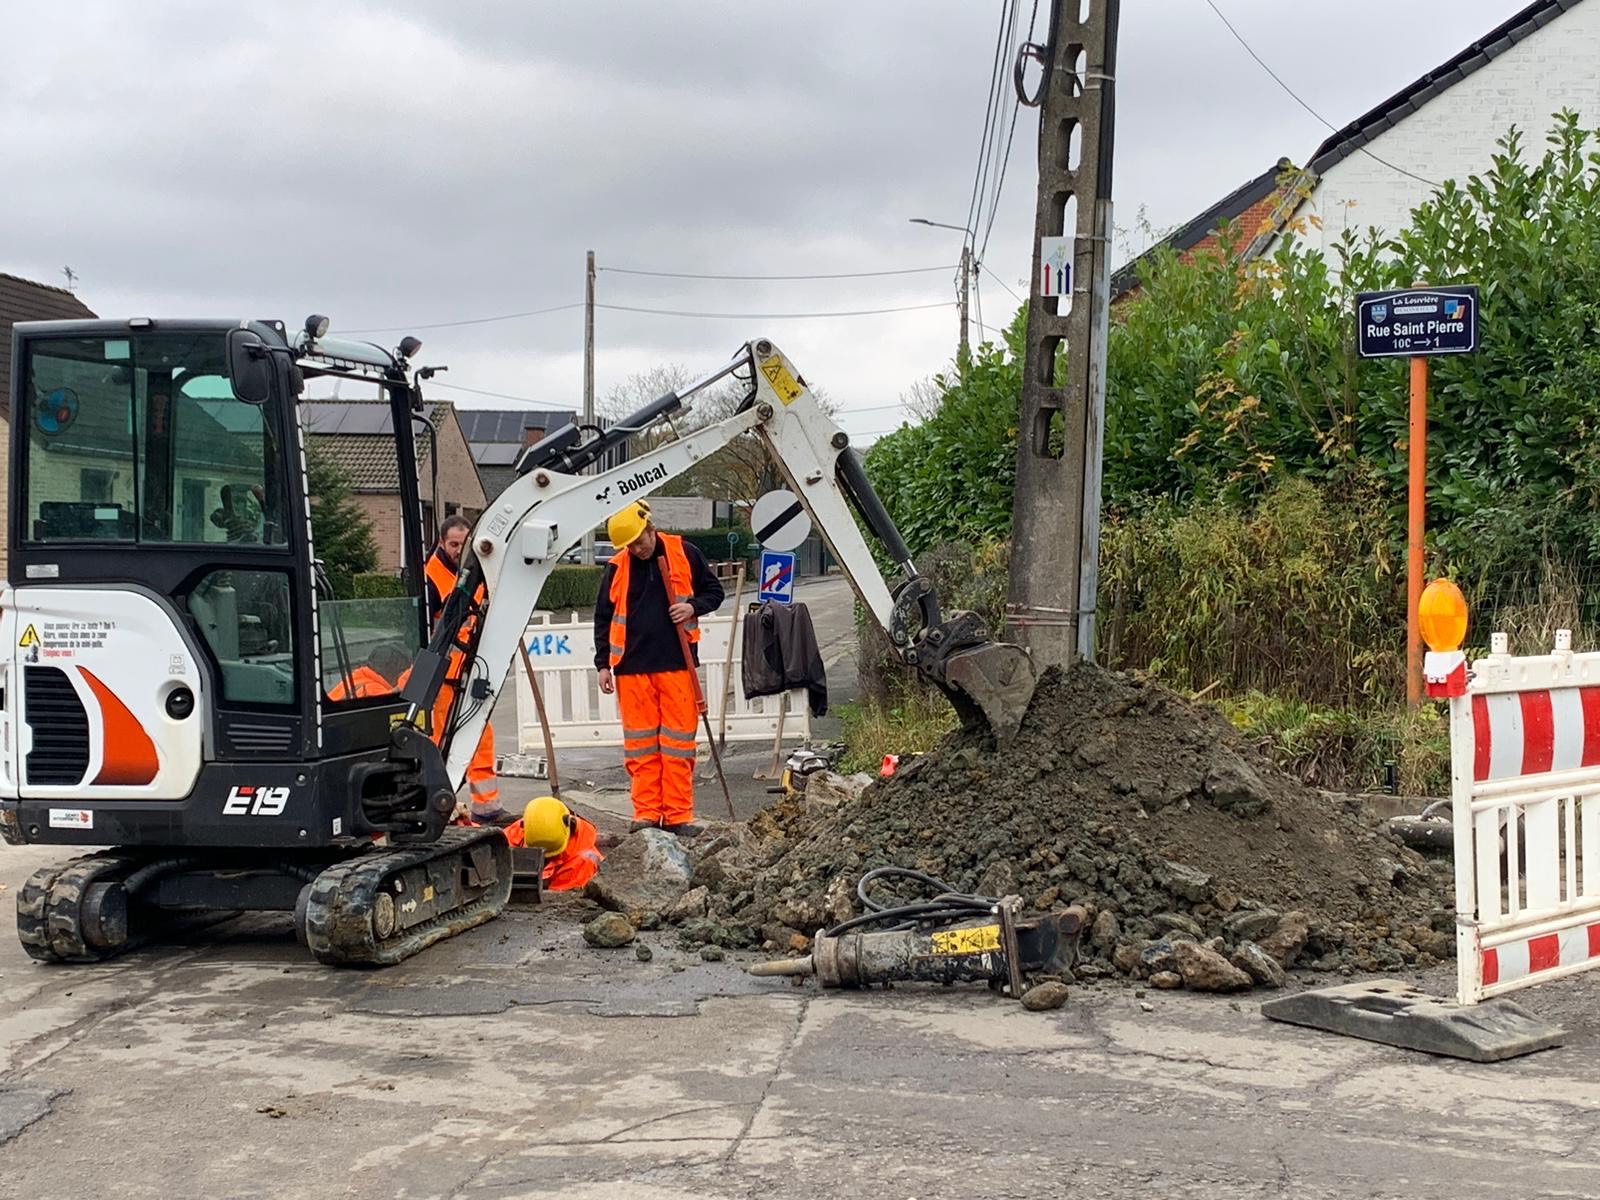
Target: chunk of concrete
x=648, y=872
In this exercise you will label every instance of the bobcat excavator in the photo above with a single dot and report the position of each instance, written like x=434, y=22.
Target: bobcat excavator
x=181, y=683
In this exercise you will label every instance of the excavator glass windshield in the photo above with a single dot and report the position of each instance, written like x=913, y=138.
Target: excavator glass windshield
x=140, y=438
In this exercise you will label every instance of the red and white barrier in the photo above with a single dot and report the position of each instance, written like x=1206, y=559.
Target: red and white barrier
x=1525, y=790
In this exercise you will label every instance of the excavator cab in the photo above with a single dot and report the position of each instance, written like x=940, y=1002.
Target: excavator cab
x=180, y=678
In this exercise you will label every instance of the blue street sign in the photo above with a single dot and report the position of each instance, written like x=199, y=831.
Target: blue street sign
x=1417, y=321
x=777, y=576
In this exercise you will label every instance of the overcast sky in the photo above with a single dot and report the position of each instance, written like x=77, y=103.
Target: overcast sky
x=397, y=165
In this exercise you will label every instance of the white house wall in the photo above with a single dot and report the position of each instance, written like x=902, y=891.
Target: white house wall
x=1453, y=135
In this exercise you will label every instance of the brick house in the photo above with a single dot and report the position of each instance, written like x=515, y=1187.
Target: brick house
x=23, y=300
x=358, y=436
x=1248, y=212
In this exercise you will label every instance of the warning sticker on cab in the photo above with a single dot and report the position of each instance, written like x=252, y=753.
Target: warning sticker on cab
x=71, y=818
x=967, y=941
x=785, y=384
x=30, y=637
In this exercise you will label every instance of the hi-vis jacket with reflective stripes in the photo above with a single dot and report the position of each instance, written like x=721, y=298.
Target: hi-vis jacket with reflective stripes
x=633, y=633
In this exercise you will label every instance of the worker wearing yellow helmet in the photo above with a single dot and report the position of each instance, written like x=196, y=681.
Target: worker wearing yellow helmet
x=655, y=584
x=568, y=841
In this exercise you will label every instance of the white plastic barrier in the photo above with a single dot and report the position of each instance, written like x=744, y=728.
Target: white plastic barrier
x=562, y=653
x=1525, y=792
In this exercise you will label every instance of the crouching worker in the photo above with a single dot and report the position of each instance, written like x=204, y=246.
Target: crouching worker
x=568, y=842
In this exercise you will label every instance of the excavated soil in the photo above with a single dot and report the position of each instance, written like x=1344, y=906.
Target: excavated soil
x=1147, y=809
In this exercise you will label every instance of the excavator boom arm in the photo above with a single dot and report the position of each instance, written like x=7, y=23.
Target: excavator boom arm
x=520, y=539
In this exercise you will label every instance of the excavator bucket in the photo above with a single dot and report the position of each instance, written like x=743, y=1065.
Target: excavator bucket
x=992, y=684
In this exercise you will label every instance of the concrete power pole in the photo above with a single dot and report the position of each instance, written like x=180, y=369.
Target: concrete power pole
x=964, y=346
x=588, y=374
x=1056, y=517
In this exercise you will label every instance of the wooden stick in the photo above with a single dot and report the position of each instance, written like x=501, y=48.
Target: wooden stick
x=544, y=720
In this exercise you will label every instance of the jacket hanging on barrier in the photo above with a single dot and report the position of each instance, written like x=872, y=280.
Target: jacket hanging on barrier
x=780, y=652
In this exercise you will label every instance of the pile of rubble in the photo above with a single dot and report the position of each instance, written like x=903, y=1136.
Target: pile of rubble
x=1199, y=863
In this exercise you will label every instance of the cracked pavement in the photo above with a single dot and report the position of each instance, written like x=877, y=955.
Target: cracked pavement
x=515, y=1061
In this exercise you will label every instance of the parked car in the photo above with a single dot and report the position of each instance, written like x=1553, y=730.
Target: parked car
x=602, y=551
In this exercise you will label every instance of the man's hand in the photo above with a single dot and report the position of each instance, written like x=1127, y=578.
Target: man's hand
x=681, y=612
x=607, y=683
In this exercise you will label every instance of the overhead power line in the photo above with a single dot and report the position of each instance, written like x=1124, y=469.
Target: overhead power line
x=1293, y=95
x=985, y=266
x=533, y=312
x=460, y=387
x=794, y=316
x=842, y=275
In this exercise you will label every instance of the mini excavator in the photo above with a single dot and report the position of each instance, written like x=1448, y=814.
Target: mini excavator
x=183, y=684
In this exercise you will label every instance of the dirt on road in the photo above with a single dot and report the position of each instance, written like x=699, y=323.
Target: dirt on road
x=1144, y=807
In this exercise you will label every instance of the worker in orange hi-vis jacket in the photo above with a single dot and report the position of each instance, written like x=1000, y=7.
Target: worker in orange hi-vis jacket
x=656, y=583
x=440, y=575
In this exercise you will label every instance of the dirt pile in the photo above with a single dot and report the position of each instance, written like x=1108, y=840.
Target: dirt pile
x=1199, y=861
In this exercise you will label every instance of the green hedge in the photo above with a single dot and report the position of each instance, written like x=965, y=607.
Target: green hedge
x=375, y=585
x=571, y=587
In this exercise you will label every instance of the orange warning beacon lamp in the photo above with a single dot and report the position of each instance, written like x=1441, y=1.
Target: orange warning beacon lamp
x=1442, y=618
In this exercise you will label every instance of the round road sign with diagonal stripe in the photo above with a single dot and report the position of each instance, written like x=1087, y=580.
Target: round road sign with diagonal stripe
x=779, y=521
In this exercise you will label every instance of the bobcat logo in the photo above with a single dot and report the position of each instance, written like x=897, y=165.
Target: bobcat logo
x=602, y=497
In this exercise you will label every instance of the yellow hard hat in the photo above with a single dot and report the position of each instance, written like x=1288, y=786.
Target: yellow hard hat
x=547, y=824
x=625, y=526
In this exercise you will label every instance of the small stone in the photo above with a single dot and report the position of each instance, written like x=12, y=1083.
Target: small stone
x=1146, y=1006
x=1207, y=971
x=1258, y=964
x=643, y=953
x=608, y=931
x=1105, y=932
x=1125, y=958
x=650, y=920
x=1289, y=938
x=696, y=902
x=1233, y=786
x=1180, y=880
x=712, y=954
x=1226, y=900
x=1166, y=979
x=1178, y=923
x=1250, y=925
x=1158, y=956
x=1044, y=997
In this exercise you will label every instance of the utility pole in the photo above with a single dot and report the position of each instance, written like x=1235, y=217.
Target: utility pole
x=588, y=375
x=964, y=347
x=968, y=267
x=1056, y=515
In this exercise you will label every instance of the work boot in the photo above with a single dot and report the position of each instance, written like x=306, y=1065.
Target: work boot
x=635, y=826
x=685, y=829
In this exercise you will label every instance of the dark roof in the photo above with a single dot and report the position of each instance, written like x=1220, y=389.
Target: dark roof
x=1192, y=232
x=1413, y=96
x=509, y=424
x=24, y=300
x=356, y=435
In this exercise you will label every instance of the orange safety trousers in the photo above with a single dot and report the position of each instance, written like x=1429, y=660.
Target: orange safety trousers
x=658, y=731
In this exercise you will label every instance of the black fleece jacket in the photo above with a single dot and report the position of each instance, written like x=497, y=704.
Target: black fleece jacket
x=652, y=641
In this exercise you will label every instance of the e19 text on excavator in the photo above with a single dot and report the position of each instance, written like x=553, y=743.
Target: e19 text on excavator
x=181, y=683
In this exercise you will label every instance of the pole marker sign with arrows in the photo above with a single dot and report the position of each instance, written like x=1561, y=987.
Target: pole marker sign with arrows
x=1417, y=322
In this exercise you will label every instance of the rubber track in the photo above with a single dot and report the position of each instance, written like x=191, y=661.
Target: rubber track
x=50, y=909
x=339, y=912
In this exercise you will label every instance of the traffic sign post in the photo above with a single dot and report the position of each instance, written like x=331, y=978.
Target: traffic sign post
x=1416, y=323
x=777, y=576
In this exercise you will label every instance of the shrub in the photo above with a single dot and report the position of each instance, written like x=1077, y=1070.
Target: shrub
x=375, y=585
x=571, y=587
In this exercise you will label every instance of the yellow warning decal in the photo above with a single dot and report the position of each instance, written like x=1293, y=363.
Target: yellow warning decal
x=967, y=941
x=30, y=637
x=785, y=384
